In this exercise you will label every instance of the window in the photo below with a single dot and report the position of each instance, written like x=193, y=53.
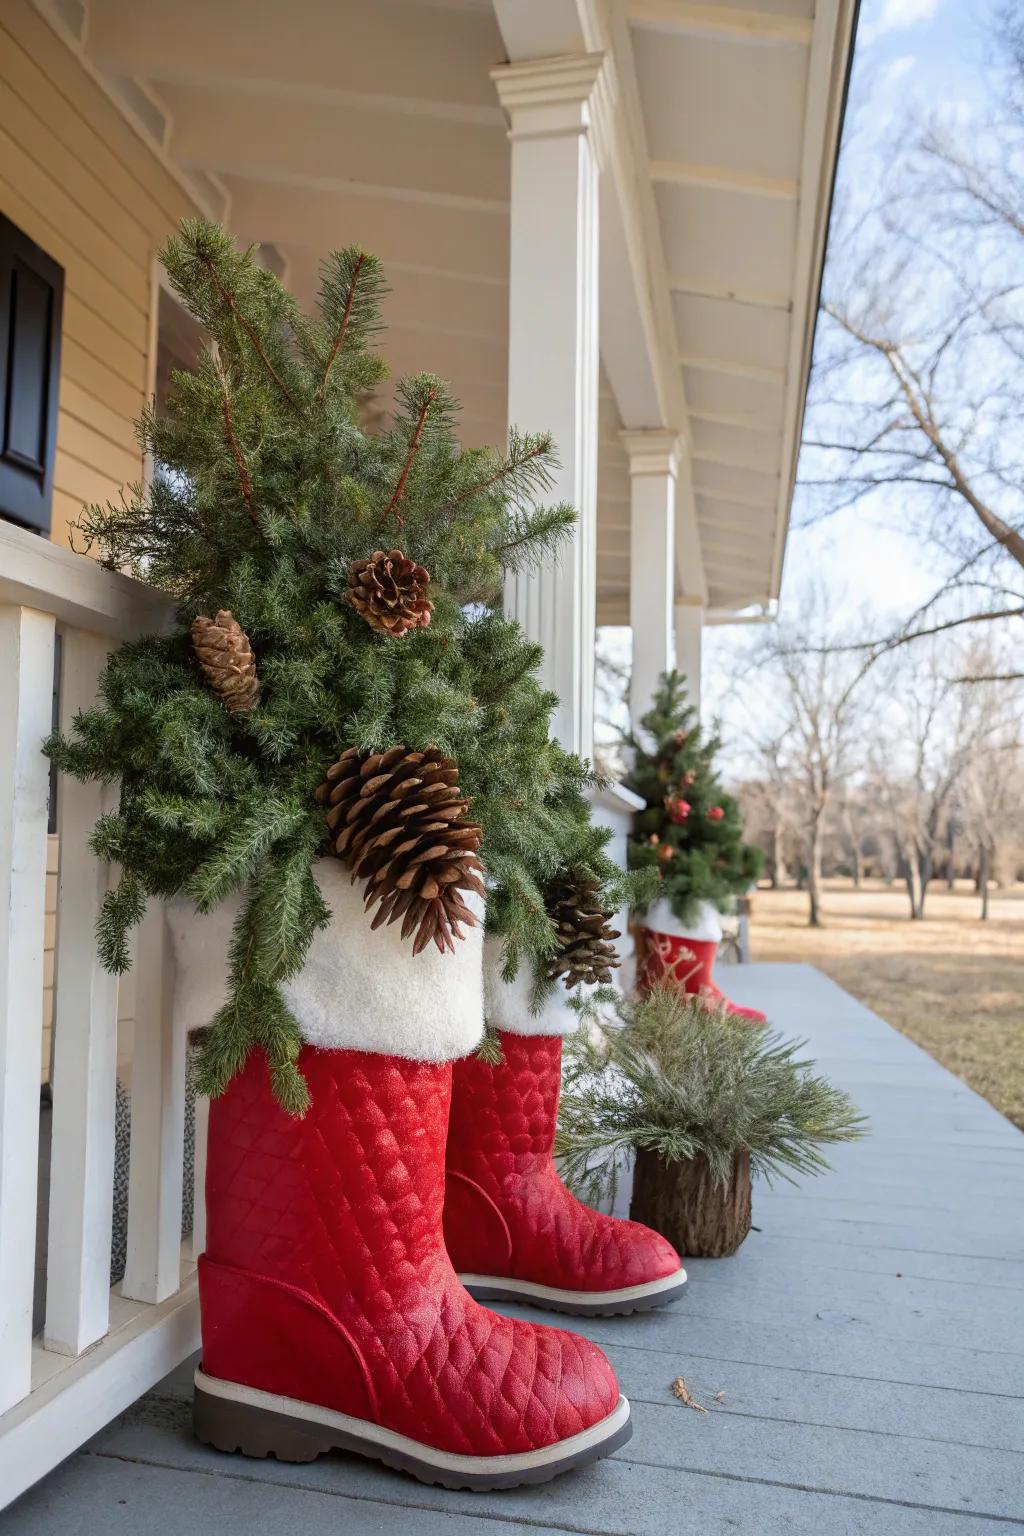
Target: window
x=31, y=301
x=180, y=341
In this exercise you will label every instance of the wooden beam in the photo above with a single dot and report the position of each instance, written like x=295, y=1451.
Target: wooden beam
x=706, y=493
x=733, y=368
x=729, y=22
x=698, y=288
x=326, y=145
x=403, y=49
x=742, y=520
x=721, y=178
x=454, y=242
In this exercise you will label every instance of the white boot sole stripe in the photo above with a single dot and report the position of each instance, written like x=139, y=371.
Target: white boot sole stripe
x=493, y=1284
x=342, y=1431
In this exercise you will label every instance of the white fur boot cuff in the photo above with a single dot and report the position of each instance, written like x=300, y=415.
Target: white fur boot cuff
x=359, y=990
x=507, y=1003
x=703, y=926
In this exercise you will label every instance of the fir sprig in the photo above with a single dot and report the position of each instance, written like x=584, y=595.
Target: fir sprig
x=266, y=489
x=674, y=1077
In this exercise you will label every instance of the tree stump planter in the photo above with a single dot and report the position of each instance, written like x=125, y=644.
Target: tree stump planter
x=683, y=1203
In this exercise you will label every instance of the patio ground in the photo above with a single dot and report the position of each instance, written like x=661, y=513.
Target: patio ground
x=952, y=983
x=860, y=1359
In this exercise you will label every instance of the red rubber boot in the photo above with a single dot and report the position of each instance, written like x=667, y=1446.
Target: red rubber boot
x=331, y=1314
x=688, y=963
x=512, y=1228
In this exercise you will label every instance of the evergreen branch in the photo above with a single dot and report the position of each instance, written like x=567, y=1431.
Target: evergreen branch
x=244, y=478
x=534, y=535
x=676, y=1078
x=411, y=452
x=346, y=315
x=512, y=464
x=229, y=300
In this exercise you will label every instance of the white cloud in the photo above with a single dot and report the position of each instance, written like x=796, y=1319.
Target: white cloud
x=898, y=68
x=894, y=15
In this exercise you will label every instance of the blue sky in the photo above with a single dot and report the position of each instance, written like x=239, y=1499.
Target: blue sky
x=914, y=57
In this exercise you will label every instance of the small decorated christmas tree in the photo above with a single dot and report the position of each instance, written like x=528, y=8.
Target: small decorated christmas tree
x=338, y=679
x=690, y=830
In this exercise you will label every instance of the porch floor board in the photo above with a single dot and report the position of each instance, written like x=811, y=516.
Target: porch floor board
x=868, y=1340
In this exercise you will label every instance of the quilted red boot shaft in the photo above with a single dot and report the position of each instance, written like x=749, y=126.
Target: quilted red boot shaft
x=507, y=1213
x=689, y=964
x=326, y=1279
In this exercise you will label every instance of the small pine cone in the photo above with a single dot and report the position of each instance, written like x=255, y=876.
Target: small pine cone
x=585, y=951
x=226, y=657
x=398, y=820
x=390, y=592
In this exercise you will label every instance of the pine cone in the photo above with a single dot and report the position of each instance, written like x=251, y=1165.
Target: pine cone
x=390, y=592
x=226, y=657
x=398, y=819
x=585, y=951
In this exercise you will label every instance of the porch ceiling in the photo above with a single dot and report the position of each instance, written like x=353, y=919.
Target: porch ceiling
x=379, y=124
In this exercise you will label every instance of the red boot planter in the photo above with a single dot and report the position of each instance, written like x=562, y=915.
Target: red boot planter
x=683, y=955
x=512, y=1228
x=332, y=1317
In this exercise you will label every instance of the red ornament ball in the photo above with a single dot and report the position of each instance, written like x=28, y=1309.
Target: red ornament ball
x=678, y=810
x=715, y=813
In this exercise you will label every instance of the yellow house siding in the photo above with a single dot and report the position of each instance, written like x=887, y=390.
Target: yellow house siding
x=79, y=181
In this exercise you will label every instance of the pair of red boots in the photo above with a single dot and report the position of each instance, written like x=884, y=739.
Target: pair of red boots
x=344, y=1252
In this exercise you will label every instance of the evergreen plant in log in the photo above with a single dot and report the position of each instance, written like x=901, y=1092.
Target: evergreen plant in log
x=690, y=834
x=702, y=1102
x=337, y=602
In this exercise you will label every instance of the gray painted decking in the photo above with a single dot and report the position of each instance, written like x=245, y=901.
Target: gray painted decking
x=867, y=1339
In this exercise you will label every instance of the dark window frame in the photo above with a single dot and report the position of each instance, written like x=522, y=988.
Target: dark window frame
x=31, y=282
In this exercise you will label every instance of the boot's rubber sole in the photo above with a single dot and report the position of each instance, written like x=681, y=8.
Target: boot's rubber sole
x=630, y=1298
x=231, y=1417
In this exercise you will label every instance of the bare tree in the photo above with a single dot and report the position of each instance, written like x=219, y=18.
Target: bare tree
x=917, y=404
x=933, y=734
x=770, y=807
x=811, y=736
x=993, y=791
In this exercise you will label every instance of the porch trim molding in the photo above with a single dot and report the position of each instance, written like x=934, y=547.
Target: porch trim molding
x=549, y=98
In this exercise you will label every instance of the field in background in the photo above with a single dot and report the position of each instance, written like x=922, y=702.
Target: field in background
x=952, y=983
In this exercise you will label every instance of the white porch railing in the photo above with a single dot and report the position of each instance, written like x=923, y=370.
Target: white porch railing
x=100, y=1348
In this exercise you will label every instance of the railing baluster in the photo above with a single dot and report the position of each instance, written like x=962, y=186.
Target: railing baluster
x=85, y=1049
x=153, y=1269
x=26, y=698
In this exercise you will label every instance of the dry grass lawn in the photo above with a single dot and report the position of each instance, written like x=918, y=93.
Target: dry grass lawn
x=952, y=983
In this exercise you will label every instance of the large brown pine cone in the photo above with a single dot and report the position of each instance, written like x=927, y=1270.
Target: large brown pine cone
x=390, y=592
x=398, y=819
x=585, y=951
x=226, y=657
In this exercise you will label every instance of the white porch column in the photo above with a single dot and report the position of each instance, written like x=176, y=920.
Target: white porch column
x=553, y=106
x=689, y=628
x=653, y=466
